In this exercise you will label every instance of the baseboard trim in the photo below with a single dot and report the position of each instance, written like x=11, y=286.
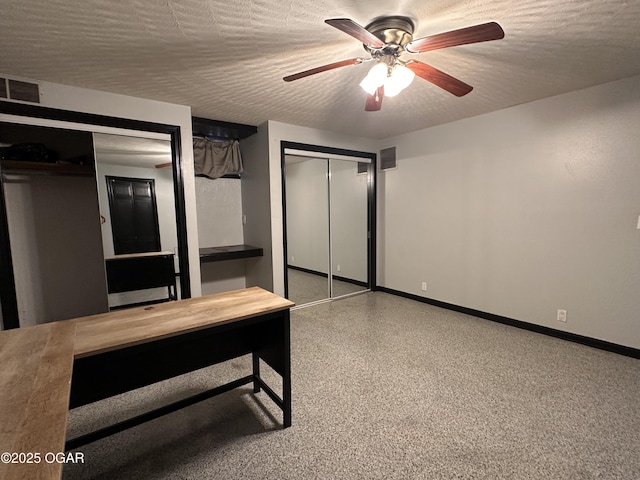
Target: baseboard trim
x=359, y=283
x=308, y=270
x=572, y=337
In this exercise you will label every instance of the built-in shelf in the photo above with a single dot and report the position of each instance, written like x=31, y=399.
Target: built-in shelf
x=19, y=166
x=230, y=252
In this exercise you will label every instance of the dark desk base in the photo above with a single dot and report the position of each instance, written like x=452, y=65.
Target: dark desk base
x=107, y=374
x=140, y=273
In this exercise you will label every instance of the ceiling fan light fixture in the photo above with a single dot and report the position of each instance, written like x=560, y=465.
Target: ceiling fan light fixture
x=376, y=77
x=386, y=39
x=399, y=79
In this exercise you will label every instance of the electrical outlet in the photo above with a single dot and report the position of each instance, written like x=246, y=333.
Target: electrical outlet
x=562, y=315
x=424, y=286
x=244, y=219
x=638, y=226
x=338, y=267
x=293, y=259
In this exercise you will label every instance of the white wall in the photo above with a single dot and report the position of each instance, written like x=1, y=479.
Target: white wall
x=91, y=101
x=219, y=208
x=522, y=212
x=256, y=204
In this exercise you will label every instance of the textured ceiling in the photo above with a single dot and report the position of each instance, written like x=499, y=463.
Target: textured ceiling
x=227, y=59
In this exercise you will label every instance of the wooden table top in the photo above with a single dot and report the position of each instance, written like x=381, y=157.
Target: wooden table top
x=36, y=363
x=124, y=328
x=35, y=379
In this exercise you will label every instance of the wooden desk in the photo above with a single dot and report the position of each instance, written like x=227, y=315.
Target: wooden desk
x=123, y=350
x=35, y=371
x=119, y=351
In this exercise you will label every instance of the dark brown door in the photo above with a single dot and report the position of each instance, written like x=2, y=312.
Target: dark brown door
x=134, y=215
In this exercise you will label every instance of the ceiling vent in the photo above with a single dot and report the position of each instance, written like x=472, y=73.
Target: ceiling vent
x=23, y=91
x=388, y=158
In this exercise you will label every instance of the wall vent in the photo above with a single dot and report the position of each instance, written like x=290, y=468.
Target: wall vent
x=363, y=167
x=24, y=91
x=388, y=158
x=3, y=88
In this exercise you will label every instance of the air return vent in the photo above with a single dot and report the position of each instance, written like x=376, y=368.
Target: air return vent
x=24, y=91
x=388, y=158
x=363, y=167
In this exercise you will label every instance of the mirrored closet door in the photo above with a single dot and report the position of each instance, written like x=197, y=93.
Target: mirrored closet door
x=57, y=240
x=349, y=229
x=307, y=200
x=137, y=210
x=327, y=226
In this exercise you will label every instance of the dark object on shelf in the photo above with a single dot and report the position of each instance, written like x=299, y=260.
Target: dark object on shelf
x=78, y=160
x=231, y=252
x=31, y=152
x=44, y=168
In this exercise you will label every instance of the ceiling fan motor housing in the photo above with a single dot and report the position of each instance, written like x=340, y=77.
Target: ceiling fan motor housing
x=395, y=32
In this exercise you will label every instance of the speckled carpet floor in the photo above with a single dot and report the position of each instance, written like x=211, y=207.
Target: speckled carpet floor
x=306, y=287
x=388, y=388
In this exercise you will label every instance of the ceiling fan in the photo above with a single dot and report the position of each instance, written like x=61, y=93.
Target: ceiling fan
x=386, y=39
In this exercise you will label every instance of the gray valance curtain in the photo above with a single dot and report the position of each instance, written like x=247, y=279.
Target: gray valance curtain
x=215, y=159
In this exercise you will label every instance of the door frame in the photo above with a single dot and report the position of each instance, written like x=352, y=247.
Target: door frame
x=371, y=202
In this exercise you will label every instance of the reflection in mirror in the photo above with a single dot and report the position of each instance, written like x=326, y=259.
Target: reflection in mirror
x=137, y=214
x=349, y=238
x=53, y=236
x=307, y=209
x=327, y=211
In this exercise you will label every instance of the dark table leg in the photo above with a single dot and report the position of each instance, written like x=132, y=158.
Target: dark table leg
x=256, y=372
x=286, y=375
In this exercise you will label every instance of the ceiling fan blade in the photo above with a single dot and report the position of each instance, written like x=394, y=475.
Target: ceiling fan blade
x=374, y=102
x=463, y=36
x=439, y=78
x=324, y=68
x=356, y=31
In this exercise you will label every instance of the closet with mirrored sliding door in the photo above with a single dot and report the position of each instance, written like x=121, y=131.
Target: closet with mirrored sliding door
x=328, y=200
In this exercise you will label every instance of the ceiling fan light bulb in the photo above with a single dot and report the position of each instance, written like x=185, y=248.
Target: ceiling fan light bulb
x=375, y=78
x=403, y=75
x=400, y=78
x=391, y=88
x=379, y=73
x=368, y=86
